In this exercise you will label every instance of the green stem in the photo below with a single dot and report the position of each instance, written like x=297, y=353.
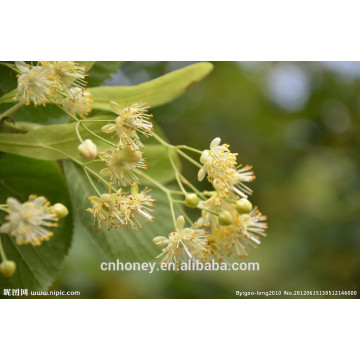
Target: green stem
x=162, y=141
x=85, y=127
x=208, y=193
x=185, y=147
x=91, y=161
x=78, y=133
x=230, y=201
x=172, y=209
x=166, y=191
x=180, y=184
x=64, y=154
x=193, y=188
x=96, y=135
x=177, y=173
x=11, y=110
x=69, y=114
x=185, y=214
x=210, y=211
x=177, y=192
x=94, y=173
x=156, y=183
x=2, y=251
x=91, y=182
x=188, y=158
x=98, y=120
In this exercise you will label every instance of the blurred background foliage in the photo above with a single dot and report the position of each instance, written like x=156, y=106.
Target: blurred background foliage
x=298, y=125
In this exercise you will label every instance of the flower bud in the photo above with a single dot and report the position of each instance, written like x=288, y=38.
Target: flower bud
x=225, y=218
x=88, y=149
x=8, y=268
x=191, y=200
x=243, y=206
x=60, y=210
x=133, y=156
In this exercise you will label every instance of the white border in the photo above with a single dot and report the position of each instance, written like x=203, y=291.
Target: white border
x=185, y=30
x=179, y=329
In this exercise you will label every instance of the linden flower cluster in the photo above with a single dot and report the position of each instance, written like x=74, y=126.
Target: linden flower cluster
x=117, y=210
x=124, y=164
x=124, y=161
x=29, y=223
x=237, y=225
x=183, y=243
x=61, y=82
x=228, y=223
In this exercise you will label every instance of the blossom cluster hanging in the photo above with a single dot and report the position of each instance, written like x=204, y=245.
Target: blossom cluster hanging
x=227, y=222
x=61, y=82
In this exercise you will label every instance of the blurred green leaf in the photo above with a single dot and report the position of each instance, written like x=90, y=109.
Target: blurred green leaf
x=8, y=80
x=8, y=96
x=101, y=71
x=87, y=64
x=20, y=127
x=155, y=92
x=122, y=244
x=50, y=114
x=38, y=266
x=158, y=163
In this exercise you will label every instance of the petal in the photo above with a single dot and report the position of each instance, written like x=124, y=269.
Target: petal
x=180, y=222
x=215, y=143
x=134, y=189
x=160, y=240
x=201, y=174
x=103, y=155
x=5, y=228
x=21, y=65
x=108, y=128
x=13, y=204
x=104, y=172
x=115, y=107
x=94, y=200
x=204, y=156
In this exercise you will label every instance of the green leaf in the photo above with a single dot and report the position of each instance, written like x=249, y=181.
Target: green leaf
x=38, y=266
x=8, y=80
x=55, y=142
x=155, y=92
x=122, y=244
x=20, y=127
x=101, y=71
x=87, y=64
x=158, y=163
x=40, y=114
x=8, y=97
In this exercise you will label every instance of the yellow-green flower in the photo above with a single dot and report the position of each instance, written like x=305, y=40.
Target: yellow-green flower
x=130, y=121
x=120, y=166
x=28, y=222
